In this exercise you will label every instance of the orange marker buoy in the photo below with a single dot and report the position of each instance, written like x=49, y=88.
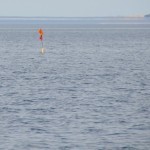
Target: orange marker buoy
x=41, y=33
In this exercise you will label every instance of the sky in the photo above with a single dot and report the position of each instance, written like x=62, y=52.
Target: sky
x=74, y=8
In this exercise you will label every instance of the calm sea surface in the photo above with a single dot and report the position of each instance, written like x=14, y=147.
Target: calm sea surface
x=89, y=91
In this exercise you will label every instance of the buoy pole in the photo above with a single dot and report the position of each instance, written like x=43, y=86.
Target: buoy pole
x=42, y=50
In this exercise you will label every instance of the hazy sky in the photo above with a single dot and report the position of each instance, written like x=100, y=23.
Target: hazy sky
x=68, y=8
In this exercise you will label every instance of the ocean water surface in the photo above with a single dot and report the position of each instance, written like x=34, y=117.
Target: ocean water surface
x=90, y=90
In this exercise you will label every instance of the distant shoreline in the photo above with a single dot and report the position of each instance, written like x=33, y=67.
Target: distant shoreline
x=147, y=16
x=18, y=18
x=47, y=17
x=72, y=20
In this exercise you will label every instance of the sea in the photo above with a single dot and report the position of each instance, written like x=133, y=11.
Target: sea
x=89, y=90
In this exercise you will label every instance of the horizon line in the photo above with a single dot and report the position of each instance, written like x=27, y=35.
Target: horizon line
x=132, y=16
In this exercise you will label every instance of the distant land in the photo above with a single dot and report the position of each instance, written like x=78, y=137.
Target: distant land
x=62, y=17
x=147, y=15
x=72, y=20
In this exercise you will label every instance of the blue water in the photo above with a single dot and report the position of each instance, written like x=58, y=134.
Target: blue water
x=89, y=91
